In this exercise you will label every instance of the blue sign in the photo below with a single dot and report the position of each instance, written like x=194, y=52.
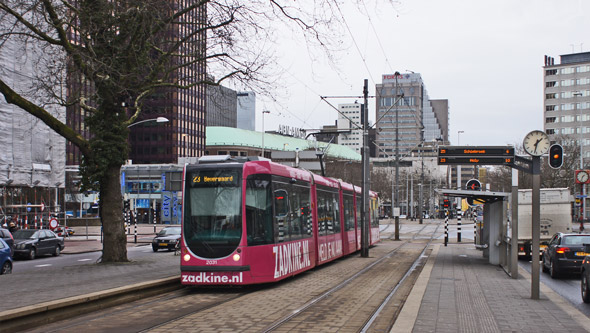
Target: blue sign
x=28, y=208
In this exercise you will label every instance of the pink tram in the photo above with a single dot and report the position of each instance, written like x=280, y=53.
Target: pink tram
x=254, y=221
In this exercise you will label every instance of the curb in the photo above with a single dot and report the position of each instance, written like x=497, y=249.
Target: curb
x=49, y=312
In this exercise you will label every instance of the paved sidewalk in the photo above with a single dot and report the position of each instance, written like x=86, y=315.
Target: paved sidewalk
x=458, y=291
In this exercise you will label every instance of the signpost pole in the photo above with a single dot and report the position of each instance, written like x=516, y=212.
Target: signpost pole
x=536, y=226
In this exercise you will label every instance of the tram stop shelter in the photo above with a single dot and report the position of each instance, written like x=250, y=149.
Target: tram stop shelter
x=497, y=238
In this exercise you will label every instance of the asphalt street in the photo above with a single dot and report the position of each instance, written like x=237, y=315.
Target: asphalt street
x=566, y=286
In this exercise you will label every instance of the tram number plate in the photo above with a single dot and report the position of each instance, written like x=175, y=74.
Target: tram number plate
x=582, y=254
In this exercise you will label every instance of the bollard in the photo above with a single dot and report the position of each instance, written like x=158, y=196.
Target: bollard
x=135, y=230
x=446, y=227
x=475, y=229
x=459, y=213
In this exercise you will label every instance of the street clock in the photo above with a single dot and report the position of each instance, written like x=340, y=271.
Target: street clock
x=536, y=143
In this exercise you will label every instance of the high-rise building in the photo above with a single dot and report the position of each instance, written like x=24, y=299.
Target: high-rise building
x=222, y=107
x=566, y=101
x=349, y=123
x=247, y=110
x=418, y=118
x=184, y=134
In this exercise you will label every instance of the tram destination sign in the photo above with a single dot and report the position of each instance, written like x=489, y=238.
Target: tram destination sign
x=471, y=155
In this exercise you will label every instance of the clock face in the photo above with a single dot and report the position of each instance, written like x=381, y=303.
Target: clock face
x=582, y=176
x=536, y=143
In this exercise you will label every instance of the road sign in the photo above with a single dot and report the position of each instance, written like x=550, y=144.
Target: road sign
x=473, y=185
x=471, y=155
x=53, y=224
x=475, y=160
x=476, y=151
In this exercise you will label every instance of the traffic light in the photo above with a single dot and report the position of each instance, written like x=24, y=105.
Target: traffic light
x=446, y=203
x=556, y=156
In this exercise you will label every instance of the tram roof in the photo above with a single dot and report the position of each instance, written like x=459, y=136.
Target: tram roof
x=229, y=136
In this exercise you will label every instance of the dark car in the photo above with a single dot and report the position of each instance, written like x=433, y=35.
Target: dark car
x=31, y=243
x=5, y=258
x=7, y=237
x=565, y=253
x=585, y=283
x=167, y=238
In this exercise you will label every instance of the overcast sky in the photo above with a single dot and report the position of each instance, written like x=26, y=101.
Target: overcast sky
x=485, y=57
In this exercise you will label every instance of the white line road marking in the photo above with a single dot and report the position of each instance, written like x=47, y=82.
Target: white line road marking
x=45, y=265
x=84, y=259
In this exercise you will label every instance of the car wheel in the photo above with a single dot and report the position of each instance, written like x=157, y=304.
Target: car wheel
x=585, y=288
x=155, y=248
x=57, y=251
x=6, y=268
x=552, y=270
x=544, y=267
x=32, y=253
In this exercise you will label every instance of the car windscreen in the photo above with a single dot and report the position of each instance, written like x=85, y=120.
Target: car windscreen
x=169, y=231
x=23, y=234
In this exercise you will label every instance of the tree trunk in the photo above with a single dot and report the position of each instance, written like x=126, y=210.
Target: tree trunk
x=114, y=248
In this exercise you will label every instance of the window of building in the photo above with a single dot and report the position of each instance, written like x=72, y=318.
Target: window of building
x=583, y=69
x=550, y=96
x=551, y=72
x=567, y=70
x=550, y=119
x=550, y=84
x=567, y=83
x=550, y=131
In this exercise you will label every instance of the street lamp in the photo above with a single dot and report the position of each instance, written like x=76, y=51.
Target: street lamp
x=583, y=186
x=157, y=120
x=459, y=174
x=263, y=112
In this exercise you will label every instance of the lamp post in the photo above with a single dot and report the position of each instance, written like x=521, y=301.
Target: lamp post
x=263, y=112
x=157, y=120
x=459, y=172
x=396, y=74
x=583, y=186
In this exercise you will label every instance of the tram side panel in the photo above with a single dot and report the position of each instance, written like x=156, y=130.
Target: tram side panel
x=348, y=222
x=328, y=220
x=374, y=218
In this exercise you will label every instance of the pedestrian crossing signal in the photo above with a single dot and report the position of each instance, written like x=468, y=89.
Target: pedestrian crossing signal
x=556, y=156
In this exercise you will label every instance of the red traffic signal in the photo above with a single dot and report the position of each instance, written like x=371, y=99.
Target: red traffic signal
x=556, y=156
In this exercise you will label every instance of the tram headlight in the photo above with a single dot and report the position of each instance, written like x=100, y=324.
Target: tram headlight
x=236, y=257
x=187, y=257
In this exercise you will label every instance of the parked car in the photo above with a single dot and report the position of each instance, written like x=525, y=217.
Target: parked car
x=5, y=258
x=167, y=238
x=31, y=243
x=585, y=280
x=564, y=253
x=6, y=235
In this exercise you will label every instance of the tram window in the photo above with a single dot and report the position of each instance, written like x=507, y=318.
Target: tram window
x=292, y=215
x=348, y=212
x=328, y=217
x=358, y=212
x=281, y=209
x=259, y=222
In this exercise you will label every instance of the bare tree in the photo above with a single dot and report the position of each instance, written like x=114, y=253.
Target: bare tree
x=125, y=51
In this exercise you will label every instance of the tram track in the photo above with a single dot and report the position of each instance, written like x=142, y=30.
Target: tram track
x=377, y=310
x=311, y=301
